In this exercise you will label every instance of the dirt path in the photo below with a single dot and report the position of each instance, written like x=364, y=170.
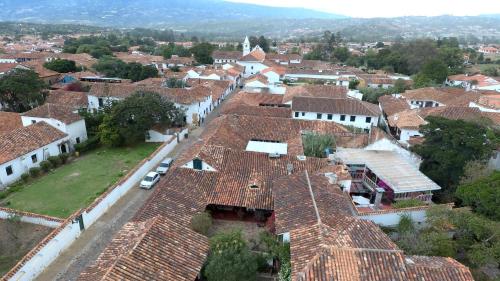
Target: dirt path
x=93, y=240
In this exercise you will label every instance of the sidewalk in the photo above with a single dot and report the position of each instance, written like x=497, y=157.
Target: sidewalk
x=93, y=240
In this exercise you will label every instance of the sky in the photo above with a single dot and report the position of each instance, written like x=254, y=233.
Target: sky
x=390, y=8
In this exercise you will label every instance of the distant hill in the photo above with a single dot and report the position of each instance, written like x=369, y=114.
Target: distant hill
x=146, y=13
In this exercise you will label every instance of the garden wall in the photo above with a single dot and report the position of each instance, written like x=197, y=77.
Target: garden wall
x=43, y=254
x=52, y=222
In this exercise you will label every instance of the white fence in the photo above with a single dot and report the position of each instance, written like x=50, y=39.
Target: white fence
x=6, y=213
x=68, y=231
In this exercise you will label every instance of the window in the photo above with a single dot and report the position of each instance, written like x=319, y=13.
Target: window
x=330, y=116
x=319, y=116
x=296, y=114
x=101, y=102
x=303, y=114
x=197, y=164
x=342, y=117
x=77, y=140
x=34, y=159
x=353, y=118
x=9, y=170
x=33, y=121
x=368, y=119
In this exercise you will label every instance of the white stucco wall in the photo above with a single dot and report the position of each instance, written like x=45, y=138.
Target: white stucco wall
x=252, y=67
x=359, y=122
x=22, y=164
x=407, y=133
x=74, y=130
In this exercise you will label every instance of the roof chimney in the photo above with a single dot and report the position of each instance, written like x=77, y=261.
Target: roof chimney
x=289, y=168
x=332, y=178
x=378, y=197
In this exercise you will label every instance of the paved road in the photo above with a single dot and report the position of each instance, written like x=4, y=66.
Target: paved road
x=93, y=240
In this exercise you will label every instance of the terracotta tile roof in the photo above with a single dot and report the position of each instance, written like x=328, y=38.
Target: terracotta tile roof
x=436, y=269
x=324, y=91
x=280, y=70
x=435, y=94
x=263, y=111
x=218, y=87
x=158, y=82
x=38, y=67
x=139, y=58
x=482, y=80
x=180, y=60
x=257, y=77
x=6, y=67
x=63, y=113
x=283, y=57
x=376, y=79
x=226, y=55
x=293, y=204
x=337, y=106
x=235, y=131
x=408, y=119
x=118, y=90
x=256, y=55
x=178, y=95
x=332, y=244
x=178, y=196
x=27, y=139
x=72, y=99
x=312, y=64
x=490, y=101
x=82, y=59
x=237, y=170
x=391, y=105
x=9, y=121
x=155, y=249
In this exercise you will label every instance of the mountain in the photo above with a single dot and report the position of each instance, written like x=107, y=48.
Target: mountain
x=146, y=13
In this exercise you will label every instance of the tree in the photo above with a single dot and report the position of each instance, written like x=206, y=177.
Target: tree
x=353, y=84
x=203, y=53
x=21, y=90
x=341, y=53
x=448, y=146
x=315, y=144
x=263, y=43
x=230, y=258
x=201, y=222
x=130, y=119
x=433, y=71
x=62, y=66
x=113, y=67
x=400, y=86
x=490, y=71
x=483, y=195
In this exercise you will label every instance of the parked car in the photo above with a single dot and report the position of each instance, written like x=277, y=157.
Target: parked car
x=164, y=166
x=150, y=180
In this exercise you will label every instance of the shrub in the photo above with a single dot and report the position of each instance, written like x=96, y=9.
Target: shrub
x=201, y=222
x=408, y=203
x=55, y=161
x=34, y=172
x=64, y=157
x=90, y=144
x=25, y=177
x=45, y=165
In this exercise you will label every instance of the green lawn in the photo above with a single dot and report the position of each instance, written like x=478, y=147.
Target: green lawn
x=75, y=185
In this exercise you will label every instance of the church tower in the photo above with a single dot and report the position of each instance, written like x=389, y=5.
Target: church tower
x=246, y=46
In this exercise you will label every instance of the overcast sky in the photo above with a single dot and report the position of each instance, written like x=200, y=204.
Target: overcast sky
x=390, y=8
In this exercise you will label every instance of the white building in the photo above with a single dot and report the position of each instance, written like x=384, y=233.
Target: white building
x=26, y=147
x=348, y=112
x=63, y=118
x=195, y=101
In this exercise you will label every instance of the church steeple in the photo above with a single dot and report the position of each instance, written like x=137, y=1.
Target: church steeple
x=246, y=46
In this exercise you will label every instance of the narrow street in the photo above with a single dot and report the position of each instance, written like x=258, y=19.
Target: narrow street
x=93, y=240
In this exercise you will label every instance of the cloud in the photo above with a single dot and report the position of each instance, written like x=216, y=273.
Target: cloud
x=390, y=8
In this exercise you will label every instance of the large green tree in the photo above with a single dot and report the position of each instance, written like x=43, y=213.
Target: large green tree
x=483, y=195
x=62, y=66
x=113, y=67
x=128, y=121
x=448, y=146
x=434, y=72
x=230, y=258
x=203, y=53
x=21, y=90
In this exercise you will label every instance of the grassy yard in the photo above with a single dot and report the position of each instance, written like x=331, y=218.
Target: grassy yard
x=75, y=185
